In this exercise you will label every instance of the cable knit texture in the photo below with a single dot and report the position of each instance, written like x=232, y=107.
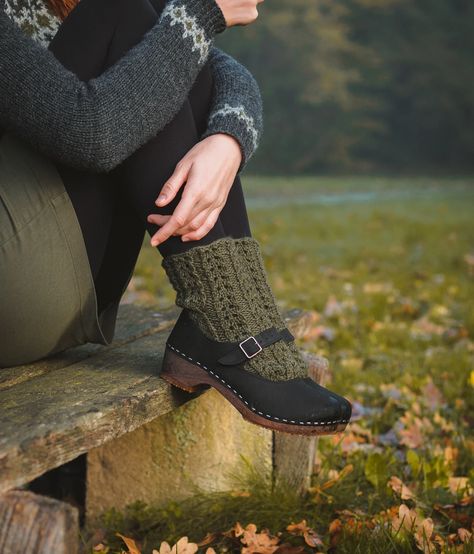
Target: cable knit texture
x=224, y=286
x=98, y=124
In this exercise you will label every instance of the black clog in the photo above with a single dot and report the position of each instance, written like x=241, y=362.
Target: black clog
x=298, y=406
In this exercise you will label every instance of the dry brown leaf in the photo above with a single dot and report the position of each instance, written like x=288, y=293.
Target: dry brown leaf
x=464, y=535
x=406, y=519
x=459, y=485
x=181, y=547
x=165, y=548
x=335, y=531
x=411, y=437
x=297, y=528
x=261, y=543
x=423, y=536
x=310, y=536
x=421, y=528
x=400, y=488
x=131, y=544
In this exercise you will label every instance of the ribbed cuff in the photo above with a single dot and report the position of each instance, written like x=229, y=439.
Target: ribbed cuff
x=243, y=130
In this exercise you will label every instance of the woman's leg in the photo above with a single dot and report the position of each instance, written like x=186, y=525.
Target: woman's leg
x=93, y=37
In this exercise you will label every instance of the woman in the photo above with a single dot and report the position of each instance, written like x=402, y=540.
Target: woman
x=130, y=120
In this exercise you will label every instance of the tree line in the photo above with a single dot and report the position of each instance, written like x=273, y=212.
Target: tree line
x=362, y=85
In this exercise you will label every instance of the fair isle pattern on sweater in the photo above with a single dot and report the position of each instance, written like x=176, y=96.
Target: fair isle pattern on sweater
x=178, y=14
x=35, y=91
x=35, y=18
x=240, y=113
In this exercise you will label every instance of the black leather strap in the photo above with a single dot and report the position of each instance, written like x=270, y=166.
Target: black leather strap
x=253, y=345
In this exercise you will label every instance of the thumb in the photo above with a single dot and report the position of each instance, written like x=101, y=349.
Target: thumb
x=173, y=184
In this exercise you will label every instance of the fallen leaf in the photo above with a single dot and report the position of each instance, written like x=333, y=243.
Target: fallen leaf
x=423, y=536
x=181, y=547
x=261, y=543
x=400, y=488
x=131, y=545
x=335, y=531
x=459, y=485
x=310, y=536
x=464, y=535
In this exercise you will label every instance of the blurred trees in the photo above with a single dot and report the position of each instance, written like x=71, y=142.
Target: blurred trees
x=362, y=85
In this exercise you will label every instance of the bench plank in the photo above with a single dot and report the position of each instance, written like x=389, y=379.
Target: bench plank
x=49, y=420
x=49, y=415
x=133, y=321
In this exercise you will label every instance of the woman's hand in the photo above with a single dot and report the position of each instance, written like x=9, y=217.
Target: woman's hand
x=239, y=12
x=209, y=170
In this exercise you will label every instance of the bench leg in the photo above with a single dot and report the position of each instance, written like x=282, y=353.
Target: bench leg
x=294, y=455
x=34, y=524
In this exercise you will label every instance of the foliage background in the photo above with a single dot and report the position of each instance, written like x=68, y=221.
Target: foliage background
x=362, y=85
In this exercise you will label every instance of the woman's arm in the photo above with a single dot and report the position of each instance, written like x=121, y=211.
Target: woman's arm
x=98, y=124
x=237, y=108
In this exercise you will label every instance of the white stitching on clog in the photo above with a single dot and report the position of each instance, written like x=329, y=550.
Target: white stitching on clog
x=251, y=407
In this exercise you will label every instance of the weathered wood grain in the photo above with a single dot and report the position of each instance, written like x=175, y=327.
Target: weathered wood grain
x=132, y=322
x=33, y=524
x=51, y=419
x=50, y=415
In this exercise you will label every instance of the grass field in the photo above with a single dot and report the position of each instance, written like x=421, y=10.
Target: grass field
x=387, y=265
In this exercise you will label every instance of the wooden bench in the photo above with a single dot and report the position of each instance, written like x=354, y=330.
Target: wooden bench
x=141, y=438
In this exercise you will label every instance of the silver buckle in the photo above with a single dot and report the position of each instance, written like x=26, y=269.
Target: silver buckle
x=256, y=342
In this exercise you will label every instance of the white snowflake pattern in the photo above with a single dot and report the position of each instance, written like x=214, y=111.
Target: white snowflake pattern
x=178, y=14
x=240, y=112
x=35, y=18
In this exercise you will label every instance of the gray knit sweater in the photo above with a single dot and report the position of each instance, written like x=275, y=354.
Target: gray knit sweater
x=97, y=124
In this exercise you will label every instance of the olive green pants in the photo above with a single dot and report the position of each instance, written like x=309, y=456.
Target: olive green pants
x=47, y=297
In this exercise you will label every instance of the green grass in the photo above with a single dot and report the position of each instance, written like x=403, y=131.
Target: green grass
x=388, y=264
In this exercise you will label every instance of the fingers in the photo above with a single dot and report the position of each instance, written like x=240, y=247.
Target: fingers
x=181, y=216
x=173, y=184
x=203, y=225
x=158, y=219
x=196, y=229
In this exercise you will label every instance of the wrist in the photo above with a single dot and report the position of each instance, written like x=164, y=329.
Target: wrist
x=207, y=13
x=233, y=144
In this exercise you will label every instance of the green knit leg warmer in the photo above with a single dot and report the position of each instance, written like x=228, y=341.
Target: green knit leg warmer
x=225, y=288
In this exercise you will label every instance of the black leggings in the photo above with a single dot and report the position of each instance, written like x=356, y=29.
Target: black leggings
x=112, y=208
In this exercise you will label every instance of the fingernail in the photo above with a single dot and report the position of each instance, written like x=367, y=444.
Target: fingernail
x=161, y=198
x=184, y=239
x=154, y=242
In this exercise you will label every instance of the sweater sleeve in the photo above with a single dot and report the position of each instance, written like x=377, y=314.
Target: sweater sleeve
x=237, y=108
x=97, y=124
